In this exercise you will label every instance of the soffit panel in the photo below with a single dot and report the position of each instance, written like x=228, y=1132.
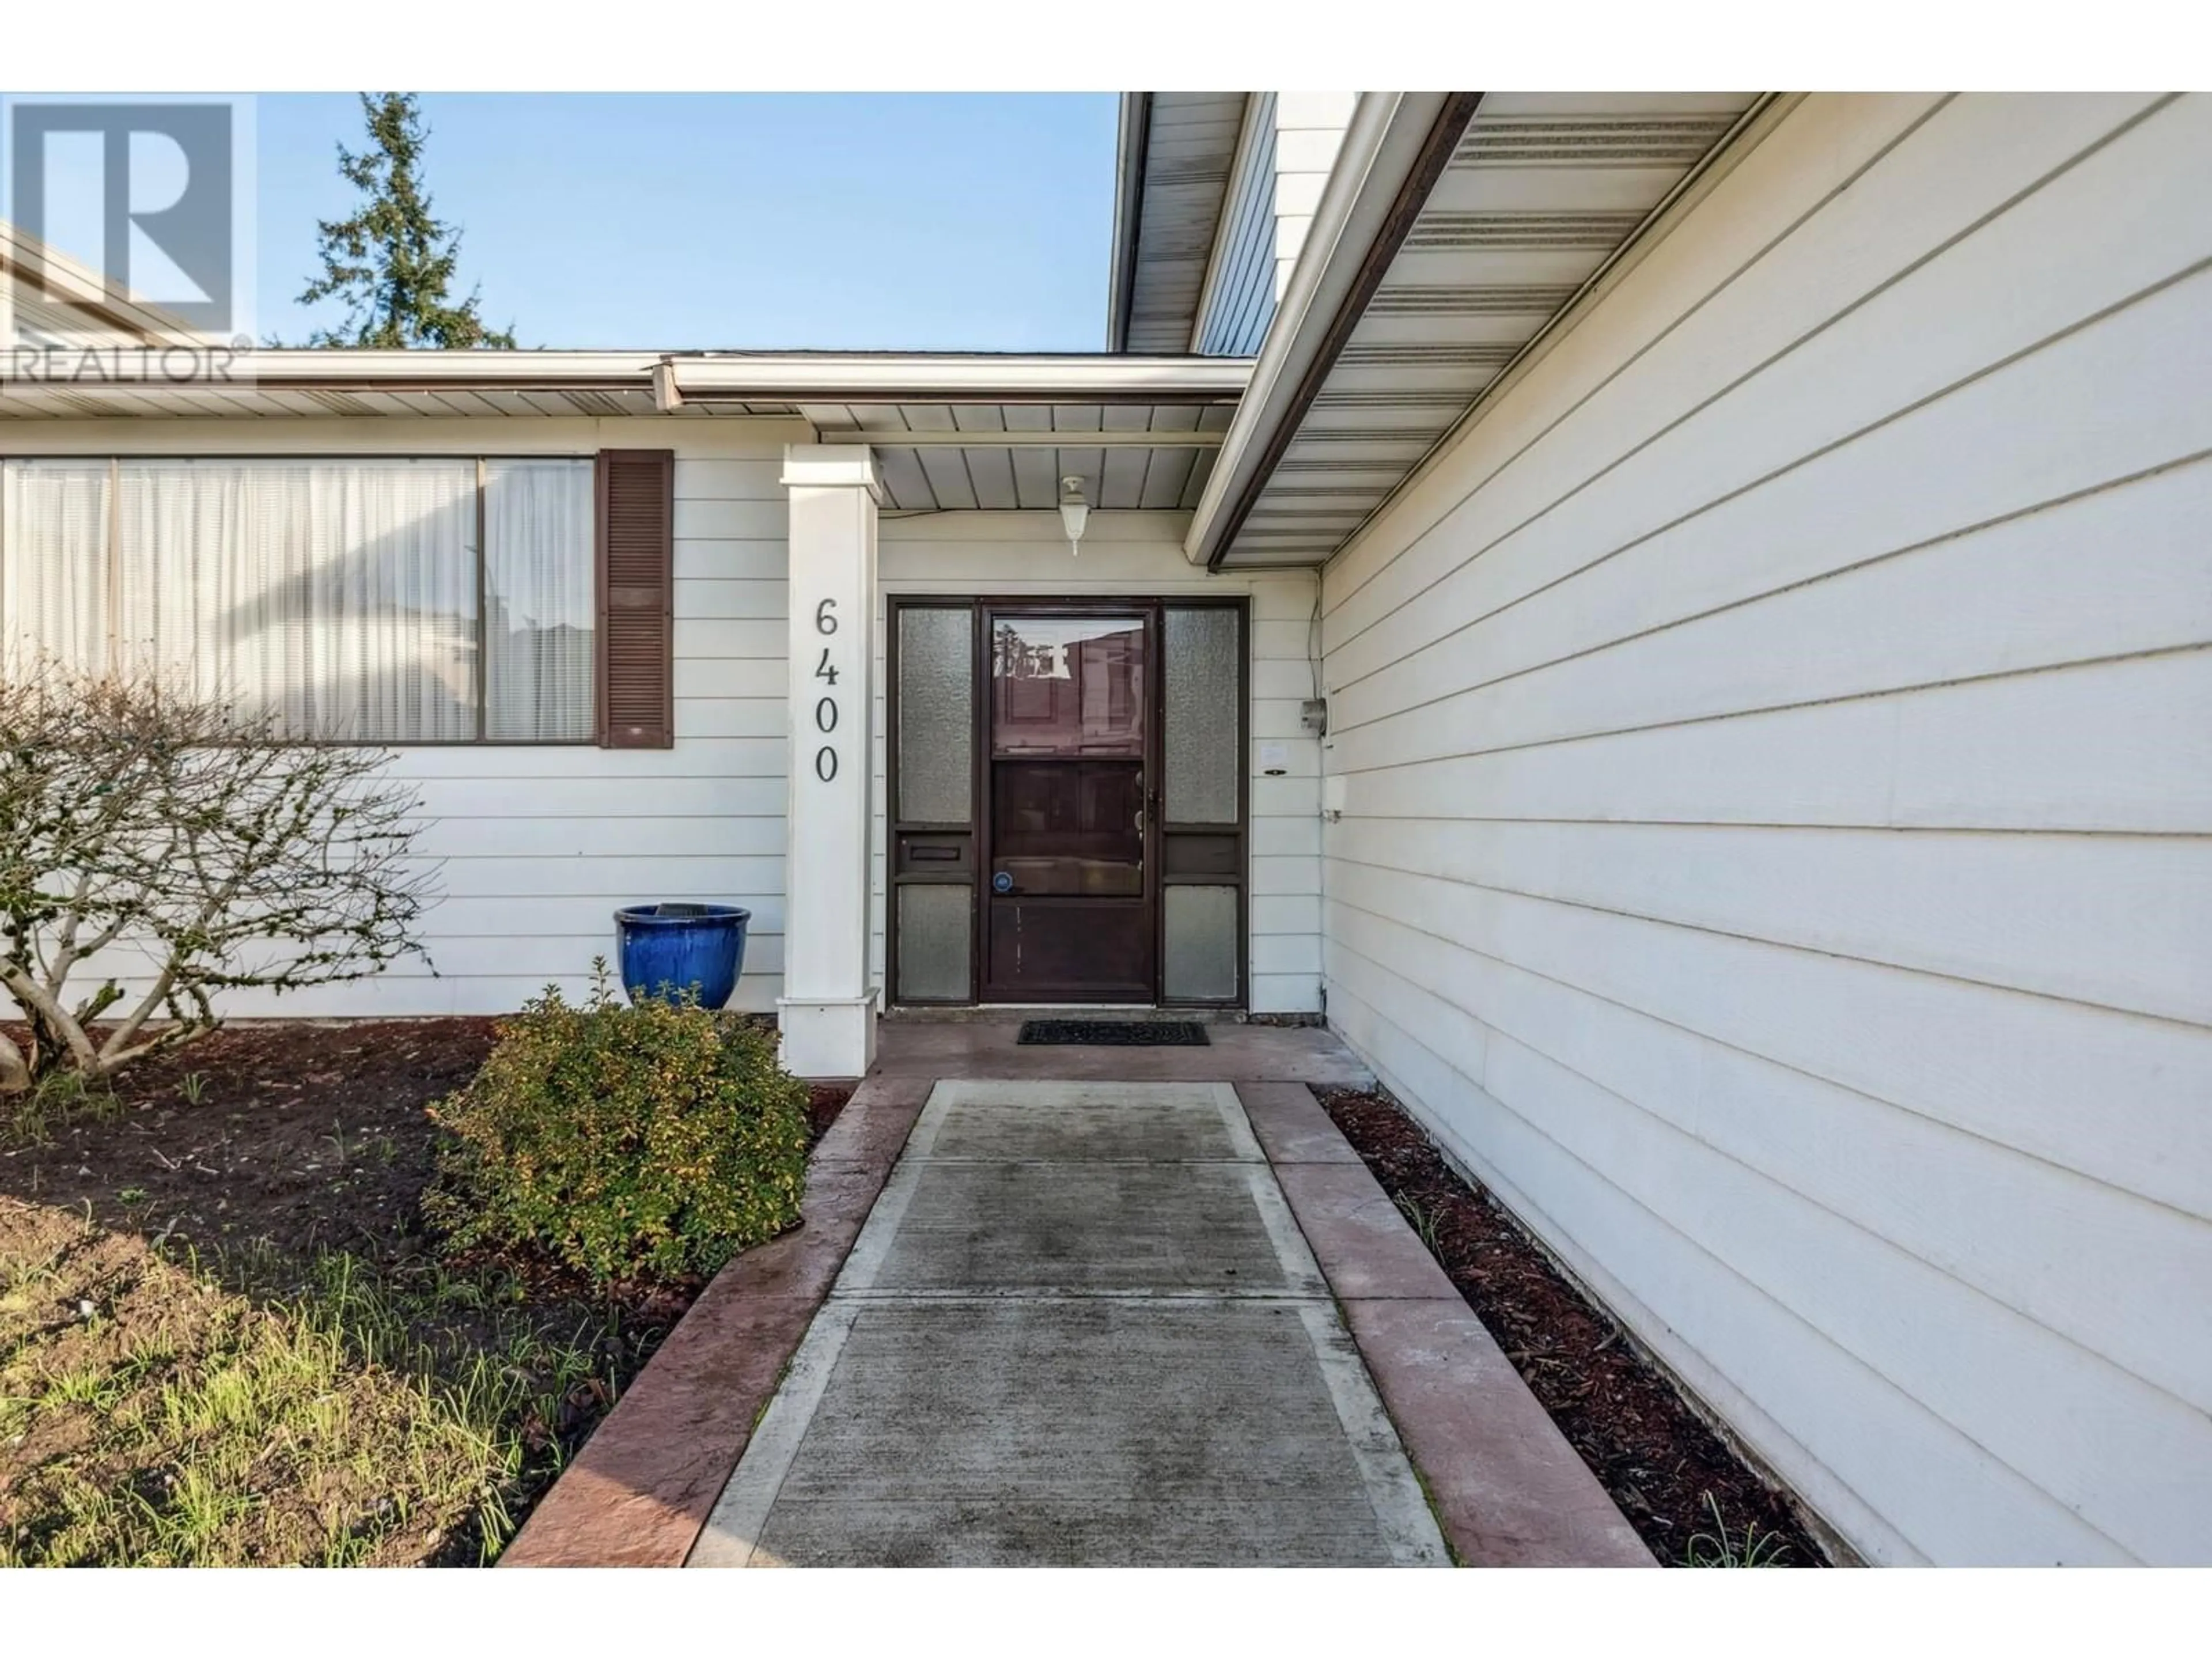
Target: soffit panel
x=1543, y=189
x=1190, y=145
x=960, y=469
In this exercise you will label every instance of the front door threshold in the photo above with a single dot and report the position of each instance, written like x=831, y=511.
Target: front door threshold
x=1008, y=1012
x=1079, y=1007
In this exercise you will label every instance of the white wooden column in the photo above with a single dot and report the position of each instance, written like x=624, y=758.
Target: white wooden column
x=827, y=1012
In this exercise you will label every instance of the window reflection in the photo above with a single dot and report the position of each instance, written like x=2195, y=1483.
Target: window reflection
x=1067, y=686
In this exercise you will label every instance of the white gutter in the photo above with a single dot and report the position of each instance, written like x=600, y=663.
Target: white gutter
x=766, y=377
x=1384, y=143
x=860, y=377
x=341, y=370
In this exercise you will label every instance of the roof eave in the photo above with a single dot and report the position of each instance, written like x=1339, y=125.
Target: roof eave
x=1097, y=378
x=1396, y=145
x=324, y=370
x=759, y=377
x=1135, y=127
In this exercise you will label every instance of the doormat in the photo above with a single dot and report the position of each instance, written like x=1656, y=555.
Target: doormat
x=1116, y=1033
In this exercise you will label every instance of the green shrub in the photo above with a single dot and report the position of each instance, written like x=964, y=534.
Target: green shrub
x=659, y=1139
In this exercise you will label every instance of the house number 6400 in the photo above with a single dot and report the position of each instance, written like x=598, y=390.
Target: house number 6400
x=825, y=711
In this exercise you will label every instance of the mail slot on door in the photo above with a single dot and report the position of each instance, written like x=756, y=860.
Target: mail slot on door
x=934, y=854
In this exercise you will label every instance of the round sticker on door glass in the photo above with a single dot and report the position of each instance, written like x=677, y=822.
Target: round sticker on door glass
x=1002, y=883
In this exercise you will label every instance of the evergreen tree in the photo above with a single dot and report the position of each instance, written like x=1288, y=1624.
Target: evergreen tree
x=392, y=261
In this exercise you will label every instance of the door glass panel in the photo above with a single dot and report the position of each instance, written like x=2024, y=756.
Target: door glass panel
x=1199, y=960
x=936, y=715
x=1069, y=826
x=1067, y=685
x=934, y=930
x=1199, y=662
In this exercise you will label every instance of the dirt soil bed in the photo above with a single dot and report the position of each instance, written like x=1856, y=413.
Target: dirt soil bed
x=1692, y=1499
x=279, y=1169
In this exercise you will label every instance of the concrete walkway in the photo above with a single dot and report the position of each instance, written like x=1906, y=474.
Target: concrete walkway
x=1079, y=1327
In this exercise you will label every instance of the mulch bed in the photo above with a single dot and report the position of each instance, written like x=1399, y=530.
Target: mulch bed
x=1661, y=1464
x=306, y=1135
x=268, y=1143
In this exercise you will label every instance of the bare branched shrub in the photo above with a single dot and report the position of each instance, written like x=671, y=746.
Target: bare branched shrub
x=136, y=817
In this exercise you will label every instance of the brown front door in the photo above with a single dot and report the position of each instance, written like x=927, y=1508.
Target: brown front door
x=1070, y=890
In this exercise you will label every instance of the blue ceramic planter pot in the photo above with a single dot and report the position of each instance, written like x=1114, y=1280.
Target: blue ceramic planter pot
x=683, y=946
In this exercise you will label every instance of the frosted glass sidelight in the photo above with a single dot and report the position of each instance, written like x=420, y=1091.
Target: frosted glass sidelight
x=1200, y=665
x=1199, y=959
x=934, y=937
x=936, y=716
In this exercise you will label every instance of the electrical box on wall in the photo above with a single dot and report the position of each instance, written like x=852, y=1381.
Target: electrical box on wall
x=1313, y=715
x=1331, y=796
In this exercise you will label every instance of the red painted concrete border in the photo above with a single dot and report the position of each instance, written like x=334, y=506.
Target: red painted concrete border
x=1509, y=1491
x=639, y=1493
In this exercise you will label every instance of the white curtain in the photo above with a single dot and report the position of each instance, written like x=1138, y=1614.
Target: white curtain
x=540, y=601
x=54, y=581
x=342, y=595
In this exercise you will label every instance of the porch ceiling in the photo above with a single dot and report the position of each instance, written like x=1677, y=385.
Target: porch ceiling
x=1541, y=191
x=1000, y=456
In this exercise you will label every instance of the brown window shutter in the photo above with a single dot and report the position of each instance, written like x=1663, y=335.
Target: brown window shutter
x=636, y=584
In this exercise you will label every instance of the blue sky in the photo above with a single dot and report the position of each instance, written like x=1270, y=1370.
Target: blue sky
x=931, y=220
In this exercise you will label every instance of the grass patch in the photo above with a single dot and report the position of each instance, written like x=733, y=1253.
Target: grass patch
x=228, y=1334
x=59, y=1099
x=258, y=1410
x=1748, y=1545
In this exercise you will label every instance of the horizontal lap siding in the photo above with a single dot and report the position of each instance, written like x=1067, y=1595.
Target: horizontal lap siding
x=1777, y=842
x=536, y=848
x=1240, y=298
x=1309, y=129
x=1140, y=554
x=546, y=844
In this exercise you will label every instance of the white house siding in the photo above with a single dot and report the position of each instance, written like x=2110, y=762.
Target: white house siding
x=1309, y=130
x=1015, y=553
x=1240, y=295
x=1777, y=747
x=537, y=846
x=1289, y=145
